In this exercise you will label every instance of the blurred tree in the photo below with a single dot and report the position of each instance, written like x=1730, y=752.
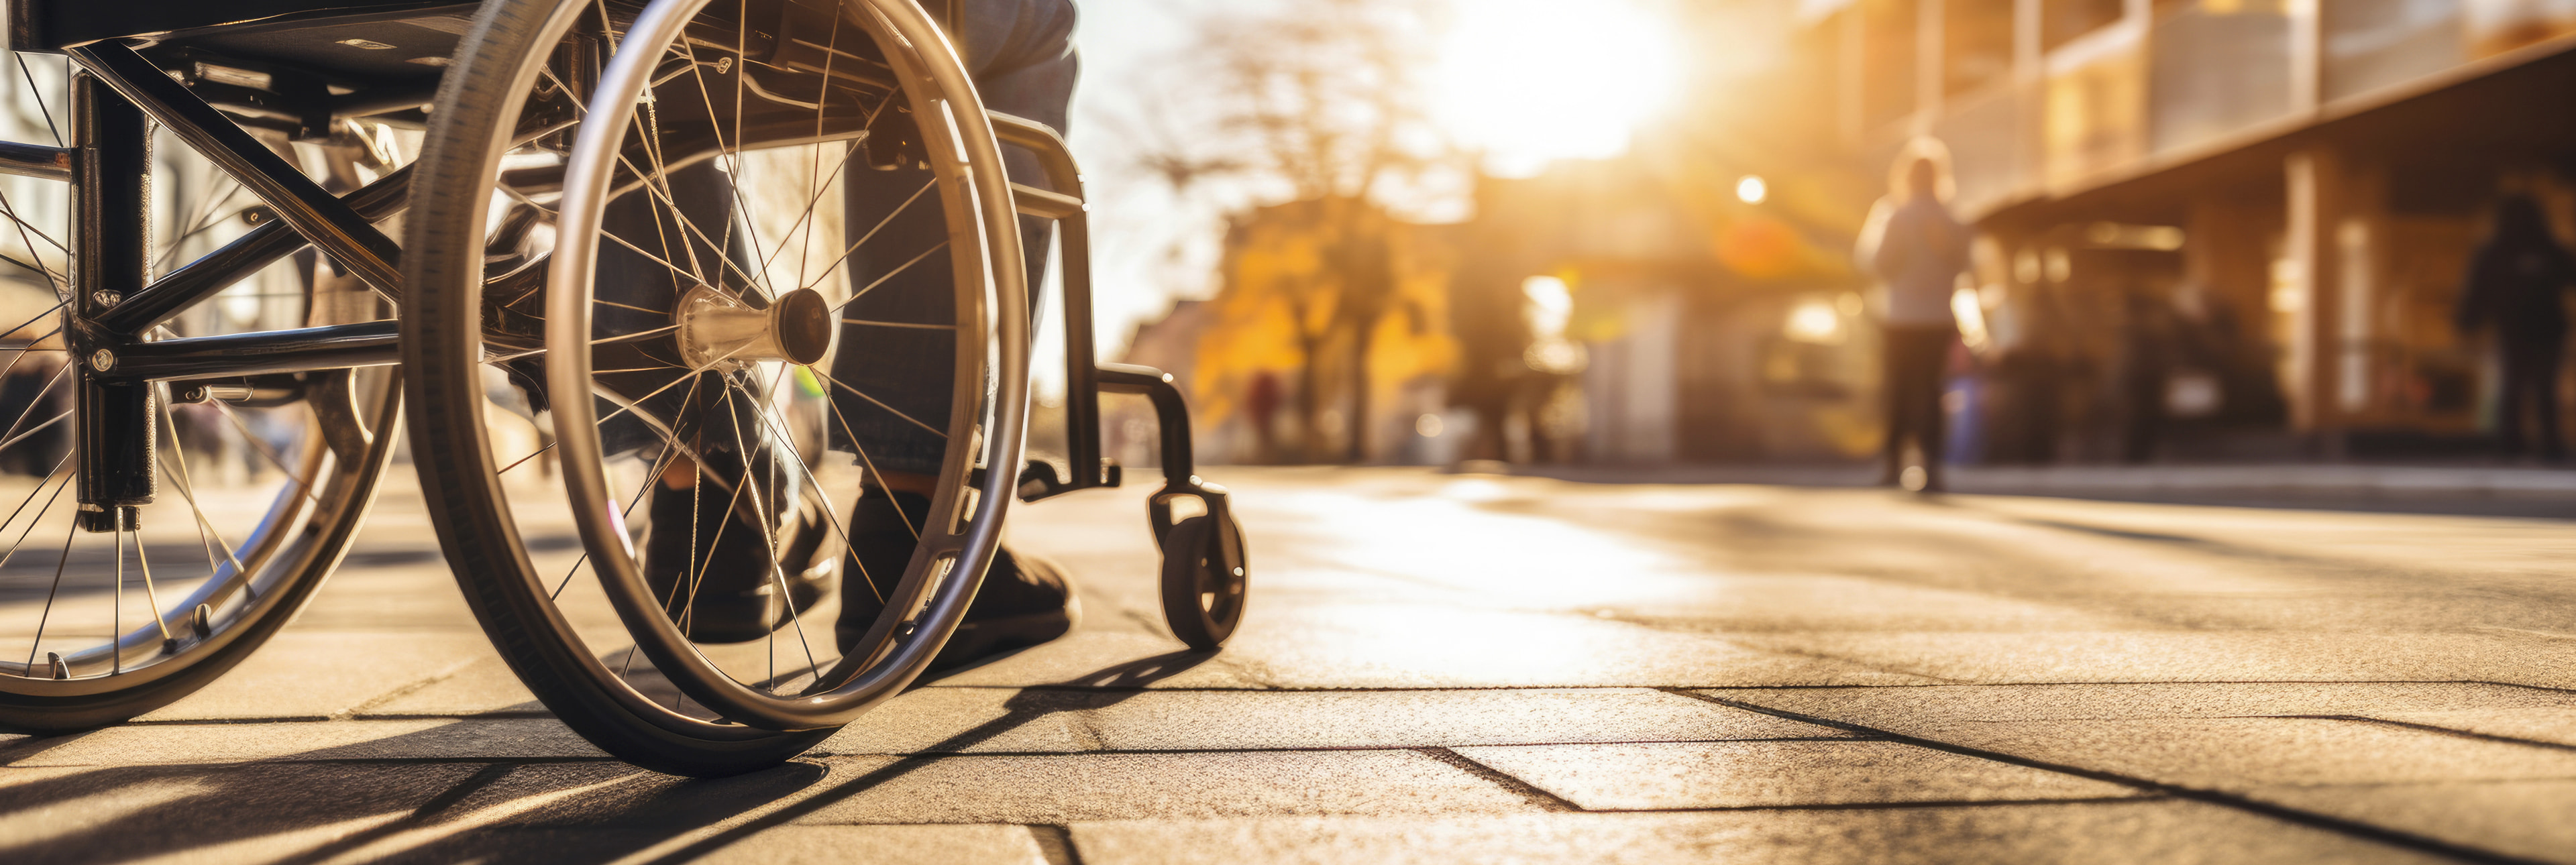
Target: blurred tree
x=1312, y=117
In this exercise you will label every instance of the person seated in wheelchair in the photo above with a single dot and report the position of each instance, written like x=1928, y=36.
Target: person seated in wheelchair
x=893, y=365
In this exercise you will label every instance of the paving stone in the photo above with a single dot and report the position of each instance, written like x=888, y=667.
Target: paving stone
x=1757, y=603
x=2195, y=656
x=244, y=813
x=1349, y=645
x=950, y=720
x=986, y=720
x=482, y=686
x=1057, y=790
x=2555, y=724
x=1919, y=705
x=2108, y=833
x=319, y=674
x=604, y=809
x=1246, y=720
x=1775, y=774
x=321, y=740
x=2514, y=818
x=883, y=845
x=1112, y=658
x=2242, y=753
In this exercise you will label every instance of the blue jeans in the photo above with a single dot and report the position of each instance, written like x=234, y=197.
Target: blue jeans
x=1020, y=53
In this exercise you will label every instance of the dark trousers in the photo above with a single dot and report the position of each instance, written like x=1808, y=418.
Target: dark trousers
x=897, y=365
x=892, y=379
x=2531, y=394
x=1915, y=357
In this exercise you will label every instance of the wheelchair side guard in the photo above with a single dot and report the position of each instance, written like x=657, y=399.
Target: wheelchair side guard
x=1205, y=573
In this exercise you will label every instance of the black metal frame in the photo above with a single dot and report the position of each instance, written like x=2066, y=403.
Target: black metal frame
x=117, y=96
x=118, y=89
x=1085, y=377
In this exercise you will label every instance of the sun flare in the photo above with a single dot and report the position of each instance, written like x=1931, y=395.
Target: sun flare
x=1526, y=81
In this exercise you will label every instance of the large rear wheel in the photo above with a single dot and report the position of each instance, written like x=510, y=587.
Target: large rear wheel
x=261, y=482
x=743, y=294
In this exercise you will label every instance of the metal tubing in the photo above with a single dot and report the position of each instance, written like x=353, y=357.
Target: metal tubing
x=35, y=160
x=1170, y=413
x=215, y=271
x=318, y=215
x=112, y=420
x=1081, y=359
x=338, y=346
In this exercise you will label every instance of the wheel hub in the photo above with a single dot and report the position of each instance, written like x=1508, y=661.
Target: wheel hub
x=719, y=330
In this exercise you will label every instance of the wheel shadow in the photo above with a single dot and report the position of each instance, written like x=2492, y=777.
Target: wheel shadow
x=333, y=803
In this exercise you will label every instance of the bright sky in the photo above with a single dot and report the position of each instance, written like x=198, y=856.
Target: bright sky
x=1525, y=81
x=1529, y=81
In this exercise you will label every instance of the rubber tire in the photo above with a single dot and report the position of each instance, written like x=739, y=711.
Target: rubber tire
x=1191, y=548
x=479, y=99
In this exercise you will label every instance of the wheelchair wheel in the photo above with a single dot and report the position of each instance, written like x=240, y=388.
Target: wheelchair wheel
x=687, y=293
x=1205, y=574
x=261, y=482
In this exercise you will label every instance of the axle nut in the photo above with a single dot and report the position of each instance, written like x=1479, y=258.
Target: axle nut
x=102, y=360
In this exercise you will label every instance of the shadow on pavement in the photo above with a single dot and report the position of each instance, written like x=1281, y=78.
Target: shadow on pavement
x=593, y=810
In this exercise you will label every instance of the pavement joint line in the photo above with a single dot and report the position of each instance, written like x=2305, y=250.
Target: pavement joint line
x=2447, y=731
x=1535, y=794
x=1055, y=844
x=510, y=715
x=344, y=761
x=402, y=691
x=1895, y=805
x=1331, y=749
x=2353, y=828
x=2122, y=684
x=215, y=722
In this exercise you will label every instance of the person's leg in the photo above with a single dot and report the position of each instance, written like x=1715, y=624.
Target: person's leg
x=2515, y=400
x=1893, y=352
x=894, y=384
x=1935, y=433
x=2543, y=380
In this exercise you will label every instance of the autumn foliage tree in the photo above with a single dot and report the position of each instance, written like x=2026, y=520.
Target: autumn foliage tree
x=1311, y=115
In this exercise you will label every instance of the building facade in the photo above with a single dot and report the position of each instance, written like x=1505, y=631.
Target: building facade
x=2203, y=216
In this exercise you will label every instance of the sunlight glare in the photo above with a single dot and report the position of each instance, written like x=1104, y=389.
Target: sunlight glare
x=1751, y=189
x=1528, y=82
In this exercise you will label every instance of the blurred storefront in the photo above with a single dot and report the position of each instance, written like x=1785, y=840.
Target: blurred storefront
x=2217, y=227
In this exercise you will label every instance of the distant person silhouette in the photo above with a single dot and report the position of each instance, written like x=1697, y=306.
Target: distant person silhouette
x=2515, y=284
x=1917, y=250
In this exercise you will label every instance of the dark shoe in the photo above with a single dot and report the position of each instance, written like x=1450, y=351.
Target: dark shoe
x=1024, y=601
x=736, y=597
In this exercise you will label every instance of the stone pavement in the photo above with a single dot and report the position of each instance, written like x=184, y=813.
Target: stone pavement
x=1448, y=668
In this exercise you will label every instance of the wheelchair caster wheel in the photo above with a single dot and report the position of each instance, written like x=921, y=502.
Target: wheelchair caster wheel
x=1204, y=576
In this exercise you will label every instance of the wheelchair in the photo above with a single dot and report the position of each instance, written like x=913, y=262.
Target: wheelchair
x=455, y=220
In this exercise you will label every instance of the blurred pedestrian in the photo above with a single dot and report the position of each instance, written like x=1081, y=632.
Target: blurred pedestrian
x=2515, y=284
x=1917, y=250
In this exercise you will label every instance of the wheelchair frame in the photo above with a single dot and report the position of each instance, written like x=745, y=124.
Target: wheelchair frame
x=118, y=88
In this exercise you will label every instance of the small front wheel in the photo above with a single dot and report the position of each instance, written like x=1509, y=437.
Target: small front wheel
x=1204, y=577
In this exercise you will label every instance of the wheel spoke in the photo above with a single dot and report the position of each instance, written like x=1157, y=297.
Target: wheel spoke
x=872, y=233
x=261, y=445
x=881, y=280
x=42, y=619
x=879, y=403
x=769, y=535
x=207, y=534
